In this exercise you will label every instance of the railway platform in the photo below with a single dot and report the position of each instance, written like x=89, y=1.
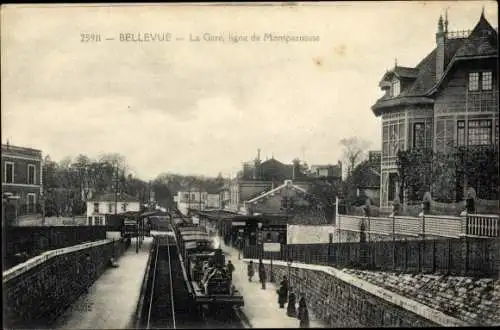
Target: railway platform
x=261, y=306
x=111, y=301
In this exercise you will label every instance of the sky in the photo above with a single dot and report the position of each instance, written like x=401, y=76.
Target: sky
x=204, y=107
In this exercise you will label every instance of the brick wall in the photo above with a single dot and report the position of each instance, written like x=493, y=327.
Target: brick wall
x=21, y=169
x=347, y=301
x=37, y=292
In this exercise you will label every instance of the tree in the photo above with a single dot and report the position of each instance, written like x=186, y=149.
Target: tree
x=326, y=193
x=354, y=151
x=300, y=167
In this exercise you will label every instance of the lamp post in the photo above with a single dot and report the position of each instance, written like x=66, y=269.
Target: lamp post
x=137, y=234
x=289, y=264
x=259, y=239
x=42, y=202
x=423, y=219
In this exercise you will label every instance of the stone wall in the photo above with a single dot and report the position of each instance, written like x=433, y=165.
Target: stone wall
x=343, y=300
x=37, y=291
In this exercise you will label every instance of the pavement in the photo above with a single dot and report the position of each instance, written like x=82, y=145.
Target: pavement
x=261, y=306
x=111, y=301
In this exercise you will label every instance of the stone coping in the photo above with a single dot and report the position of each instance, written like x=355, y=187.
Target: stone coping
x=35, y=261
x=391, y=297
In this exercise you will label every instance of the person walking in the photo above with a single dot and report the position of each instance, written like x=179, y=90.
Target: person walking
x=230, y=270
x=283, y=292
x=291, y=310
x=262, y=274
x=303, y=313
x=250, y=271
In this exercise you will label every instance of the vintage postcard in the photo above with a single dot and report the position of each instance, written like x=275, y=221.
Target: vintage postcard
x=250, y=165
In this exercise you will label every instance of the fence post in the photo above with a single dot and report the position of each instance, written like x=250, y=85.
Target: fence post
x=434, y=256
x=406, y=255
x=420, y=255
x=449, y=257
x=466, y=261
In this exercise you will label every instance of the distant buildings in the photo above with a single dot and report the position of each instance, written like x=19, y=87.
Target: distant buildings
x=286, y=199
x=261, y=177
x=332, y=172
x=196, y=199
x=101, y=205
x=365, y=180
x=22, y=178
x=271, y=188
x=447, y=103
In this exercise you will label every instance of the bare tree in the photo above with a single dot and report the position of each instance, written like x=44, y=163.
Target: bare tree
x=354, y=151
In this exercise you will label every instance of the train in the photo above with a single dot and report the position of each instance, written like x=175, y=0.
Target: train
x=205, y=268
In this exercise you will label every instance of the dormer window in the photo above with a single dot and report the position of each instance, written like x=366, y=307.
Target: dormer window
x=396, y=88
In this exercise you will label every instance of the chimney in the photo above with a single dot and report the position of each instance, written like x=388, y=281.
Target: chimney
x=440, y=46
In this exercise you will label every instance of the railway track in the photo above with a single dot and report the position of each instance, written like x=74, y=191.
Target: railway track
x=168, y=303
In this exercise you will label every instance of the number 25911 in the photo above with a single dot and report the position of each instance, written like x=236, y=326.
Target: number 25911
x=90, y=37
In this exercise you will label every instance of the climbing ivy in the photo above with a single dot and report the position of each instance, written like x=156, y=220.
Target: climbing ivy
x=415, y=167
x=445, y=174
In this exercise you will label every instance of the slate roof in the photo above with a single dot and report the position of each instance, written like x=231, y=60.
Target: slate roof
x=482, y=41
x=110, y=197
x=272, y=191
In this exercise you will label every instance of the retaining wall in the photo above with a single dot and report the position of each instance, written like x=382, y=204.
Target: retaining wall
x=37, y=291
x=343, y=300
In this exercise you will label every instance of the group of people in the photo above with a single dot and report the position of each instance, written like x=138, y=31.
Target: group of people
x=285, y=294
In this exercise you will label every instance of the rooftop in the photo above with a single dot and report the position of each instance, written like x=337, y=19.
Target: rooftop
x=480, y=42
x=10, y=149
x=110, y=197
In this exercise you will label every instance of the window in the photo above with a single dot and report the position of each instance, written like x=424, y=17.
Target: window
x=393, y=183
x=418, y=135
x=287, y=203
x=110, y=207
x=186, y=197
x=396, y=88
x=193, y=197
x=461, y=133
x=31, y=203
x=90, y=221
x=96, y=207
x=486, y=81
x=9, y=172
x=98, y=221
x=474, y=81
x=124, y=207
x=31, y=174
x=479, y=132
x=496, y=132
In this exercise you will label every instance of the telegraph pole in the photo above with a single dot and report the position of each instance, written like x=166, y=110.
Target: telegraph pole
x=116, y=188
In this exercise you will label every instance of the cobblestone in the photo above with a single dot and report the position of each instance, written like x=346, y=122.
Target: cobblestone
x=475, y=301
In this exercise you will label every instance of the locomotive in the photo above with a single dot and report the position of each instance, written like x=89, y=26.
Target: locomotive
x=205, y=270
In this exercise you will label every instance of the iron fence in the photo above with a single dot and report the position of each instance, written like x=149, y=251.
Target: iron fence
x=22, y=243
x=470, y=256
